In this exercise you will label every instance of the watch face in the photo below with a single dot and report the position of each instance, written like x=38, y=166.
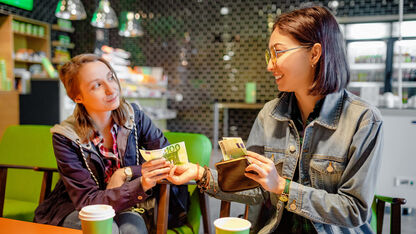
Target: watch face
x=127, y=170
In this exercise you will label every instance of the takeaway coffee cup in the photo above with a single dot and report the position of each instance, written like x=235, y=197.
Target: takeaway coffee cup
x=97, y=219
x=232, y=225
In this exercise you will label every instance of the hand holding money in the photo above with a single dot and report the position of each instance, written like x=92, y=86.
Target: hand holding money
x=175, y=153
x=232, y=147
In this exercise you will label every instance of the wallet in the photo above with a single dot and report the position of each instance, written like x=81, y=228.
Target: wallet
x=231, y=176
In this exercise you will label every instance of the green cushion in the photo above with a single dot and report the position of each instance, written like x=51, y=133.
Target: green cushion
x=199, y=149
x=25, y=145
x=20, y=210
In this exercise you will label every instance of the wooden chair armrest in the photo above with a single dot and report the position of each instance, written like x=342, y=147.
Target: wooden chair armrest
x=28, y=167
x=163, y=208
x=6, y=166
x=45, y=187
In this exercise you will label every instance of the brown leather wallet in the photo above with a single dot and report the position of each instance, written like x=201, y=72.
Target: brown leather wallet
x=231, y=176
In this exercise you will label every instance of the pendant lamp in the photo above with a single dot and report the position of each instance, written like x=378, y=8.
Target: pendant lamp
x=130, y=25
x=70, y=10
x=104, y=16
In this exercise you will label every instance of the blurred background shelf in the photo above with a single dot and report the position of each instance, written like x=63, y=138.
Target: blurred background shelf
x=27, y=61
x=361, y=84
x=66, y=45
x=367, y=66
x=58, y=28
x=29, y=35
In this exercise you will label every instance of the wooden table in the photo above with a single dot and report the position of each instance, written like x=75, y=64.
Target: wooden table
x=225, y=107
x=21, y=227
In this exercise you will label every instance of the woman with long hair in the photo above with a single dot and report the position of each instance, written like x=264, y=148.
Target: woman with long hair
x=97, y=150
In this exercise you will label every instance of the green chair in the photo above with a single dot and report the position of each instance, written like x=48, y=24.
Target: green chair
x=25, y=152
x=377, y=209
x=199, y=149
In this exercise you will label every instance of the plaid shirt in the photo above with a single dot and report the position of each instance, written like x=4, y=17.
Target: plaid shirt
x=290, y=222
x=111, y=159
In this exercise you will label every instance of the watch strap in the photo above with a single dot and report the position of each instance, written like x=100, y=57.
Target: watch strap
x=284, y=197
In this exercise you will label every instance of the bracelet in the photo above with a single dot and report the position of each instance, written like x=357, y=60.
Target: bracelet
x=204, y=181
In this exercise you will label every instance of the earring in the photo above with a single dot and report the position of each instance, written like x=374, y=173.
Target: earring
x=313, y=65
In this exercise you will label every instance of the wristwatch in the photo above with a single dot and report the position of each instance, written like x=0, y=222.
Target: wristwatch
x=128, y=173
x=284, y=197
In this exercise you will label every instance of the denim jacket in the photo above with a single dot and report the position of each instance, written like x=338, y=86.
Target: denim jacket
x=338, y=164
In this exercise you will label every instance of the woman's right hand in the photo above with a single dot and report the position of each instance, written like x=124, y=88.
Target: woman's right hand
x=153, y=171
x=181, y=174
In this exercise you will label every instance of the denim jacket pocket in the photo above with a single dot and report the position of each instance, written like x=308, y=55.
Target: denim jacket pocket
x=277, y=156
x=326, y=173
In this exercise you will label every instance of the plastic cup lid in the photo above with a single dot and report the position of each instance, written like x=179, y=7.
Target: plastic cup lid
x=232, y=224
x=96, y=212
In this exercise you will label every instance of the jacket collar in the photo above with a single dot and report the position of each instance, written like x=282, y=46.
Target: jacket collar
x=328, y=117
x=67, y=127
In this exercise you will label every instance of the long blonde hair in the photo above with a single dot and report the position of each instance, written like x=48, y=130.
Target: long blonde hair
x=84, y=125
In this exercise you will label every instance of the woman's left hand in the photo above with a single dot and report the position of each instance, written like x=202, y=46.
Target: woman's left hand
x=265, y=173
x=117, y=179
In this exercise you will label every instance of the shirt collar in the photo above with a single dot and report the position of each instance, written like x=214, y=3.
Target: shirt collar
x=99, y=138
x=328, y=116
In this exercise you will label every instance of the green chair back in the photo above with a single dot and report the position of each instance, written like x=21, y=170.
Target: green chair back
x=25, y=145
x=198, y=148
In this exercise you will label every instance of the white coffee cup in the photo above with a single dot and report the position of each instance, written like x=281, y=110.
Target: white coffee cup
x=232, y=225
x=97, y=219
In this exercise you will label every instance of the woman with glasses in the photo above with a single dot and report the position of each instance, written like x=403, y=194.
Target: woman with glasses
x=97, y=152
x=315, y=149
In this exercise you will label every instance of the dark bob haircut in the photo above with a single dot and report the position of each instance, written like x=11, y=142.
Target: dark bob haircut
x=317, y=25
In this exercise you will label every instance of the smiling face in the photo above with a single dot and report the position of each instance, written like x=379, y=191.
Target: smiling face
x=99, y=90
x=293, y=70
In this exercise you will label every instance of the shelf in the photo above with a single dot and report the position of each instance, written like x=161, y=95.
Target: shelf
x=29, y=35
x=58, y=28
x=69, y=46
x=133, y=97
x=367, y=66
x=27, y=61
x=44, y=79
x=361, y=84
x=405, y=84
x=39, y=76
x=405, y=65
x=367, y=39
x=57, y=61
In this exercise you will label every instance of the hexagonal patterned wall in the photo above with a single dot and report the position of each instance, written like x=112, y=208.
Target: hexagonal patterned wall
x=209, y=49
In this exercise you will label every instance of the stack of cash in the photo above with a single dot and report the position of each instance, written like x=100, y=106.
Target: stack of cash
x=175, y=153
x=232, y=147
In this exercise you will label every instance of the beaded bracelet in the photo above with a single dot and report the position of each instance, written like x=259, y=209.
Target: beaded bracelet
x=204, y=181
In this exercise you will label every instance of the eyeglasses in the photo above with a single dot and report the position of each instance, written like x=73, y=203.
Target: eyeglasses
x=273, y=56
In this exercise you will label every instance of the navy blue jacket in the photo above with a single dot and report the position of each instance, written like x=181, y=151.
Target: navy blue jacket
x=76, y=188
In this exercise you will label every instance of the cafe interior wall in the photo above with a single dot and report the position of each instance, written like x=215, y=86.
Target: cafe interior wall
x=209, y=55
x=208, y=49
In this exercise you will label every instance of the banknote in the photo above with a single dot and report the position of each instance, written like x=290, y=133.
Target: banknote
x=174, y=153
x=232, y=147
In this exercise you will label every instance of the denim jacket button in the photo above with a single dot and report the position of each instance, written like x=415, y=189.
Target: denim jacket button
x=292, y=148
x=140, y=197
x=330, y=168
x=293, y=206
